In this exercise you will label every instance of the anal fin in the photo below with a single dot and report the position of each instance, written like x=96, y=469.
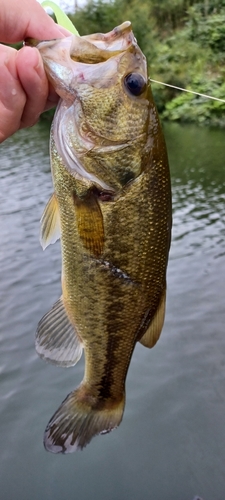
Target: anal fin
x=152, y=334
x=56, y=338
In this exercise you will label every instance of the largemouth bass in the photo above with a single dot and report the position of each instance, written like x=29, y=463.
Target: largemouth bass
x=112, y=209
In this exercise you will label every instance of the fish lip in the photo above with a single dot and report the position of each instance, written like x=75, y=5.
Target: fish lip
x=100, y=40
x=104, y=40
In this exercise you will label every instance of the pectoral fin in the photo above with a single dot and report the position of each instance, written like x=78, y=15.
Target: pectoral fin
x=50, y=223
x=90, y=223
x=152, y=334
x=56, y=338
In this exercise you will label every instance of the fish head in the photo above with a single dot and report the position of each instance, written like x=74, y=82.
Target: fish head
x=105, y=99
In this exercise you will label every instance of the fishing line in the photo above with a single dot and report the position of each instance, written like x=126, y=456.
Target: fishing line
x=186, y=90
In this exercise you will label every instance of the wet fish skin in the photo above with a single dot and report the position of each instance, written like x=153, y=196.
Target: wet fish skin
x=112, y=207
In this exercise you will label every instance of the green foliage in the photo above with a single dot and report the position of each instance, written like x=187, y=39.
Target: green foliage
x=97, y=17
x=209, y=30
x=190, y=108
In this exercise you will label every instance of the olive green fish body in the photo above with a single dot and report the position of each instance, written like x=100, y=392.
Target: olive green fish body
x=114, y=217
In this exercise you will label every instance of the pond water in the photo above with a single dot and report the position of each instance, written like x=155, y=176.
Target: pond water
x=171, y=443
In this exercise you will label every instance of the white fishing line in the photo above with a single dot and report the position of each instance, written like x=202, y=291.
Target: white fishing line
x=186, y=90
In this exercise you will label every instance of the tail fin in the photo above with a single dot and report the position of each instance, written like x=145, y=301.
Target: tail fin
x=77, y=421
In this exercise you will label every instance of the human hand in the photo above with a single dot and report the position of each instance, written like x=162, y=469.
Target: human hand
x=24, y=89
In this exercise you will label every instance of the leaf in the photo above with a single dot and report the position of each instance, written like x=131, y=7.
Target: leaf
x=61, y=17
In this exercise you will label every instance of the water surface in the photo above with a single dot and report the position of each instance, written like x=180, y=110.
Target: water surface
x=171, y=443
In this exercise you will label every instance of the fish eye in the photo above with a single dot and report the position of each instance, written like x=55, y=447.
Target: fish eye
x=135, y=83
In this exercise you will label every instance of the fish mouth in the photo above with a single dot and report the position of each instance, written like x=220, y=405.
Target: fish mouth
x=69, y=61
x=115, y=40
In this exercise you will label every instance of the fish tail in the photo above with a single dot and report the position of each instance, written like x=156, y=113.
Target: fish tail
x=79, y=419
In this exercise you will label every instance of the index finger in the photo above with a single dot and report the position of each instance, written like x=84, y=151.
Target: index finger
x=34, y=22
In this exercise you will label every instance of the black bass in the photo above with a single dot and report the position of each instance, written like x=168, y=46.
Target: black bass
x=112, y=209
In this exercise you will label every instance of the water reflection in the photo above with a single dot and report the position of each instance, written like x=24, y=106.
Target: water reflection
x=198, y=180
x=171, y=442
